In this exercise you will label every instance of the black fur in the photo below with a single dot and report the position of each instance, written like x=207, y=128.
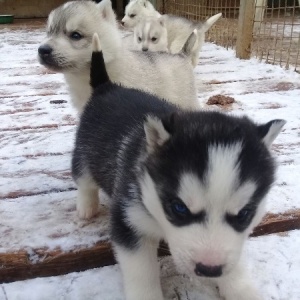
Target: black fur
x=112, y=113
x=115, y=113
x=98, y=74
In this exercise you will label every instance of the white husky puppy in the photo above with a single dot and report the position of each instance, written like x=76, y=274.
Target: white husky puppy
x=178, y=28
x=68, y=49
x=196, y=179
x=151, y=34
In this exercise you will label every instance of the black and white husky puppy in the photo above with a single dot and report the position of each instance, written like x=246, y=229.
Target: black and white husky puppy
x=197, y=180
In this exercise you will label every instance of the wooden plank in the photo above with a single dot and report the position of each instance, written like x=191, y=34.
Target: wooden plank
x=17, y=266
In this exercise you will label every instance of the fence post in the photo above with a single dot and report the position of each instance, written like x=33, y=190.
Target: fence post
x=245, y=29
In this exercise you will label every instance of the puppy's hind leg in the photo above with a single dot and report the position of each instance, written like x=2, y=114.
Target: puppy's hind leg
x=87, y=200
x=87, y=204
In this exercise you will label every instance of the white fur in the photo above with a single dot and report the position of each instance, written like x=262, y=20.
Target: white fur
x=137, y=216
x=273, y=132
x=237, y=285
x=155, y=132
x=221, y=183
x=123, y=66
x=79, y=88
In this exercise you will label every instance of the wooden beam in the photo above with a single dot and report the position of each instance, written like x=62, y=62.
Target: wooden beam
x=17, y=266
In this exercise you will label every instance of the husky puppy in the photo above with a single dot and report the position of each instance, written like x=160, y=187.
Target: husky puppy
x=178, y=28
x=68, y=50
x=151, y=34
x=197, y=179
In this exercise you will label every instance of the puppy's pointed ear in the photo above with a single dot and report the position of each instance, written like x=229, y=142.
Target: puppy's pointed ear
x=106, y=10
x=156, y=134
x=169, y=122
x=269, y=131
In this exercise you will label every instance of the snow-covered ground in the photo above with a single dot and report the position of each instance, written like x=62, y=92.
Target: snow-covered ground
x=37, y=196
x=273, y=261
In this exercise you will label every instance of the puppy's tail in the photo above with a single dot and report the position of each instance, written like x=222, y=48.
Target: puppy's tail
x=203, y=27
x=188, y=47
x=98, y=74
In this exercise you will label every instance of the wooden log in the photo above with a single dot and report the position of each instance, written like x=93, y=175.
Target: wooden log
x=17, y=266
x=273, y=223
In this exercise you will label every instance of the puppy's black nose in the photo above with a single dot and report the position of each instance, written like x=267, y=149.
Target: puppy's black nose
x=44, y=50
x=208, y=271
x=145, y=49
x=123, y=23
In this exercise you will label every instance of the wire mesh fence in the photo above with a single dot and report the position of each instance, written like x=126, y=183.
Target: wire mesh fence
x=275, y=26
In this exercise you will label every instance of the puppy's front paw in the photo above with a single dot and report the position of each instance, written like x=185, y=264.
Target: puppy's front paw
x=238, y=286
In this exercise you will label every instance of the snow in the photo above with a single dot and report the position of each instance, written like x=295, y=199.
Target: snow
x=48, y=220
x=37, y=194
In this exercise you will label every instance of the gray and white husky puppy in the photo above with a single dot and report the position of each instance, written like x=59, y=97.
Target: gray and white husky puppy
x=197, y=180
x=68, y=50
x=151, y=34
x=178, y=28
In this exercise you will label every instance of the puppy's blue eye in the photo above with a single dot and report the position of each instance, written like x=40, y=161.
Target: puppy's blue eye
x=180, y=208
x=243, y=214
x=132, y=16
x=139, y=39
x=154, y=39
x=75, y=36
